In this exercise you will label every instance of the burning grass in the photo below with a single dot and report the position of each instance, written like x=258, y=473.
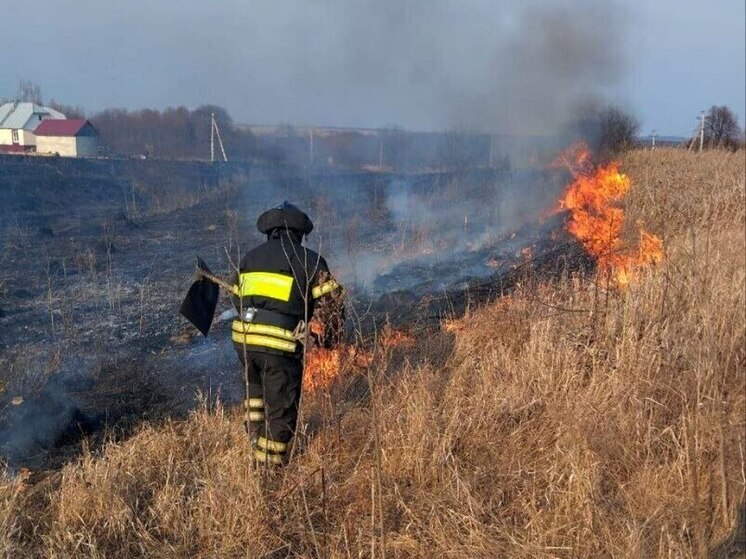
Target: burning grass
x=570, y=421
x=597, y=219
x=324, y=367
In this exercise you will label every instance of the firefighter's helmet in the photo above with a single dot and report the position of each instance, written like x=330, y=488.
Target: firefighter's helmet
x=284, y=216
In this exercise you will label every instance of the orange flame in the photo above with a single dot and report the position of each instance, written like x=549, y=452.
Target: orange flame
x=597, y=220
x=453, y=325
x=396, y=338
x=324, y=366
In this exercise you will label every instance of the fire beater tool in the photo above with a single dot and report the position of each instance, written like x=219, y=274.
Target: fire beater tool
x=202, y=298
x=199, y=309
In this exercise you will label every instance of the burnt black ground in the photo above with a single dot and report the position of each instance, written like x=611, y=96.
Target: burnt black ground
x=96, y=256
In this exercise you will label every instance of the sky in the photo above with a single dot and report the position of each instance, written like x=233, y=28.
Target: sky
x=516, y=66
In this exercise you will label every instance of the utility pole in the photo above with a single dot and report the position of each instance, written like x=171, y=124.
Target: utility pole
x=492, y=141
x=702, y=119
x=380, y=154
x=212, y=137
x=653, y=136
x=215, y=131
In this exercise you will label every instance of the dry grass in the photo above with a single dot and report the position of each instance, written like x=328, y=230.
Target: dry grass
x=569, y=422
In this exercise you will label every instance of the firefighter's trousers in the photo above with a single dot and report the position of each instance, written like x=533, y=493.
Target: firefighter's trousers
x=274, y=393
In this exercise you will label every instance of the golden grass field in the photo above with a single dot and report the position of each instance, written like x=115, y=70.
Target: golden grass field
x=570, y=421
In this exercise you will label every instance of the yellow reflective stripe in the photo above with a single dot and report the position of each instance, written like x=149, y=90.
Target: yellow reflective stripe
x=264, y=284
x=249, y=328
x=265, y=457
x=254, y=403
x=265, y=341
x=256, y=415
x=269, y=444
x=324, y=288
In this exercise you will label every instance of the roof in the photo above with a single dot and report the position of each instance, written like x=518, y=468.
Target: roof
x=20, y=115
x=67, y=127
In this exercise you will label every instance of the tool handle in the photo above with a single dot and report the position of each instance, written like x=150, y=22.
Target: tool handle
x=215, y=279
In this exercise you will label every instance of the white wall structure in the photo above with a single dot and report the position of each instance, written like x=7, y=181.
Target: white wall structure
x=18, y=121
x=65, y=146
x=67, y=138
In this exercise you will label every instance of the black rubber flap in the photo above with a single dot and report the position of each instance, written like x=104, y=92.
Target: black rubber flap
x=201, y=300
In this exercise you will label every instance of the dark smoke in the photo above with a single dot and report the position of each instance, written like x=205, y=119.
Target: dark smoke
x=514, y=68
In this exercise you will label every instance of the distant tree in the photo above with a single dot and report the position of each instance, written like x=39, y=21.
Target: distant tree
x=175, y=132
x=395, y=146
x=607, y=129
x=69, y=111
x=350, y=149
x=461, y=149
x=287, y=130
x=29, y=92
x=721, y=128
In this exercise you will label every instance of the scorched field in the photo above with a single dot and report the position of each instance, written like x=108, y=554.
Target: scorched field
x=539, y=364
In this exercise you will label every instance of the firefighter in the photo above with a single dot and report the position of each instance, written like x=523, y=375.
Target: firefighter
x=278, y=286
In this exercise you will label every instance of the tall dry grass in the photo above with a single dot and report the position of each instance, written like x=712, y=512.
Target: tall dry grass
x=569, y=422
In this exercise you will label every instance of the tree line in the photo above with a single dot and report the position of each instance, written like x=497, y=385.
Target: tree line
x=182, y=133
x=174, y=133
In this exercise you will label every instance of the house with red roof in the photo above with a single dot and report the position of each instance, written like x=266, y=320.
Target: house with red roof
x=18, y=122
x=72, y=137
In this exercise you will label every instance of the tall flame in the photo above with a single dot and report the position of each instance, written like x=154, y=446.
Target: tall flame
x=596, y=219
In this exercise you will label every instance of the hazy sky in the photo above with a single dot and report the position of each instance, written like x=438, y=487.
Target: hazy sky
x=421, y=64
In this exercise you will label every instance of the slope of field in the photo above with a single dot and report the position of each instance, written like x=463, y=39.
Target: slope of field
x=570, y=420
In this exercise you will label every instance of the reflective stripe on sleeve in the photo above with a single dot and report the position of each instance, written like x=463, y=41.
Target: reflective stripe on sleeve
x=265, y=341
x=264, y=284
x=256, y=416
x=324, y=288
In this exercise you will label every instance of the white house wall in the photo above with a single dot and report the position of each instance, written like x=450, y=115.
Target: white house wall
x=25, y=138
x=65, y=146
x=68, y=146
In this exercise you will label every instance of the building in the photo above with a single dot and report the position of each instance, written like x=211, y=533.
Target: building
x=74, y=137
x=18, y=124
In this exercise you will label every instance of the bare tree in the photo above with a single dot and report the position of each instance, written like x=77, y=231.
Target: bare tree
x=460, y=149
x=721, y=128
x=29, y=92
x=173, y=132
x=607, y=129
x=70, y=111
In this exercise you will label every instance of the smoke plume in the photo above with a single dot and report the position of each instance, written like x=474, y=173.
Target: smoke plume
x=421, y=64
